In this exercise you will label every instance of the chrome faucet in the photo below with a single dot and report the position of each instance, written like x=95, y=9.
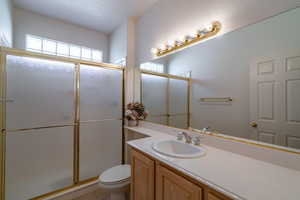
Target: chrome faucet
x=188, y=139
x=205, y=129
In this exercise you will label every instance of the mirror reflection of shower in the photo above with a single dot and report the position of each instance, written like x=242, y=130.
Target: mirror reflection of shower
x=166, y=98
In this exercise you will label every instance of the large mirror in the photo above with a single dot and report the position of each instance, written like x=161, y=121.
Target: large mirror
x=245, y=83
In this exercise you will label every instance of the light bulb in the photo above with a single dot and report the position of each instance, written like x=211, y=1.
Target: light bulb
x=183, y=38
x=208, y=27
x=172, y=43
x=195, y=34
x=154, y=50
x=164, y=47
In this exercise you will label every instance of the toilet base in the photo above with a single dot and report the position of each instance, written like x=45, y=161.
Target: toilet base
x=118, y=196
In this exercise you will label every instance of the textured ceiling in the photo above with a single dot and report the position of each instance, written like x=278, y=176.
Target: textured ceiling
x=101, y=15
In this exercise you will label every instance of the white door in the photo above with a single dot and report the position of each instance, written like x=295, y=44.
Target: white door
x=275, y=99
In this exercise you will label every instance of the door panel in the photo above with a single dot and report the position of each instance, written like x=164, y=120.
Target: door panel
x=154, y=94
x=142, y=175
x=179, y=121
x=100, y=147
x=178, y=93
x=170, y=186
x=211, y=196
x=266, y=100
x=158, y=119
x=100, y=93
x=293, y=99
x=40, y=93
x=38, y=162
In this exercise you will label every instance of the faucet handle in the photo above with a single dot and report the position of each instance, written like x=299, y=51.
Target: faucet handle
x=188, y=139
x=180, y=135
x=197, y=140
x=205, y=129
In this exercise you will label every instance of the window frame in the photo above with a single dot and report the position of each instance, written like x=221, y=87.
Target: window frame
x=69, y=45
x=156, y=67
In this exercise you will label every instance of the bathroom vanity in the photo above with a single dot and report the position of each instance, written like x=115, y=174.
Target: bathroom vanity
x=228, y=170
x=152, y=179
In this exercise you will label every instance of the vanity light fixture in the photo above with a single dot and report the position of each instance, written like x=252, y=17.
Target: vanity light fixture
x=187, y=40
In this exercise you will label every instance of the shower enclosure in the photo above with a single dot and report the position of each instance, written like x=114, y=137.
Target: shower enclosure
x=167, y=98
x=61, y=122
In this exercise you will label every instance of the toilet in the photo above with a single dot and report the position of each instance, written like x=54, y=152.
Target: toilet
x=116, y=181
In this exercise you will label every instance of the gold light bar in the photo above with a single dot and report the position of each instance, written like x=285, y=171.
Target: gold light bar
x=189, y=40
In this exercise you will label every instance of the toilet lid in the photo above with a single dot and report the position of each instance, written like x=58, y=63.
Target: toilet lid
x=116, y=174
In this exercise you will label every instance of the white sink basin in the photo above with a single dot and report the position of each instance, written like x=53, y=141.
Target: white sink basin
x=178, y=149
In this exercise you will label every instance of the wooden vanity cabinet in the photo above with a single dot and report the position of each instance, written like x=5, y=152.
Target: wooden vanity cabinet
x=152, y=180
x=142, y=177
x=170, y=186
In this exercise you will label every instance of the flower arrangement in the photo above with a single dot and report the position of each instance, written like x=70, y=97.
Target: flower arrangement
x=135, y=111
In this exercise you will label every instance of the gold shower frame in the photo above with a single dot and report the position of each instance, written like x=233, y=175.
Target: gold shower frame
x=4, y=51
x=170, y=76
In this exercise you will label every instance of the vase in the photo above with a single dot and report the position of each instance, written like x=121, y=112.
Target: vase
x=133, y=123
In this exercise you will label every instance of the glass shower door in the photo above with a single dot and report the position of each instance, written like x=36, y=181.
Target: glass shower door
x=100, y=120
x=155, y=98
x=39, y=126
x=178, y=103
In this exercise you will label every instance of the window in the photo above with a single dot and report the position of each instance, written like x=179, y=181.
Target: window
x=52, y=47
x=155, y=67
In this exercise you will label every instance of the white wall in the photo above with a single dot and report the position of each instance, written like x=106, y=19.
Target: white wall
x=171, y=19
x=26, y=22
x=220, y=68
x=6, y=34
x=118, y=43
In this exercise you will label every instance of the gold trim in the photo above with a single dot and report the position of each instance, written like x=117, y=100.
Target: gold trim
x=2, y=123
x=163, y=75
x=19, y=52
x=189, y=101
x=49, y=194
x=76, y=152
x=123, y=116
x=216, y=27
x=9, y=131
x=168, y=99
x=244, y=141
x=100, y=120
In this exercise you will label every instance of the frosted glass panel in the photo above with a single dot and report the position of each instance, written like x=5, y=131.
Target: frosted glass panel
x=178, y=96
x=158, y=119
x=154, y=94
x=100, y=147
x=178, y=121
x=100, y=93
x=42, y=92
x=38, y=161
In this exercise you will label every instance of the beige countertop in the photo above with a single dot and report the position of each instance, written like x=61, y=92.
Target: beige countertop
x=237, y=176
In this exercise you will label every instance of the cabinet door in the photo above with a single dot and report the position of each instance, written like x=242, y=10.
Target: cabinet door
x=211, y=196
x=142, y=171
x=170, y=186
